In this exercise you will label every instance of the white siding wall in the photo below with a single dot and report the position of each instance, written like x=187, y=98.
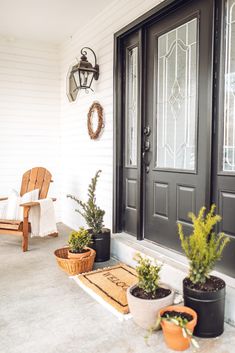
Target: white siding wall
x=29, y=111
x=81, y=157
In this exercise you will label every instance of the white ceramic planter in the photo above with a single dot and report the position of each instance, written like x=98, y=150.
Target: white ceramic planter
x=145, y=311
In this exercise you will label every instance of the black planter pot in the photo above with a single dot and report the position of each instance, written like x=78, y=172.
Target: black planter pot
x=101, y=244
x=210, y=309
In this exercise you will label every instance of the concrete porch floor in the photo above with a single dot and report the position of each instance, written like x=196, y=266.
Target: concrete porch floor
x=42, y=310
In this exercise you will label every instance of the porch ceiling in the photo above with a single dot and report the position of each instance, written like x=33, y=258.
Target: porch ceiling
x=46, y=20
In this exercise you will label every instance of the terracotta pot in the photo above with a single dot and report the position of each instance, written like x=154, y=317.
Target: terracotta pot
x=172, y=333
x=73, y=255
x=145, y=311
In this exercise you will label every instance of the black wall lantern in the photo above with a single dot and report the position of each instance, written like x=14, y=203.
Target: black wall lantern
x=82, y=74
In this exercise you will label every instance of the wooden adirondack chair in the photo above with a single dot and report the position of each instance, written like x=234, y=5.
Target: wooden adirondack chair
x=36, y=178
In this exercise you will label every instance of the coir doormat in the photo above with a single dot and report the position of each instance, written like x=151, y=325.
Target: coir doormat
x=108, y=286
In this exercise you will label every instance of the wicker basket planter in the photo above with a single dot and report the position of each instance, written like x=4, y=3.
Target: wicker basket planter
x=74, y=266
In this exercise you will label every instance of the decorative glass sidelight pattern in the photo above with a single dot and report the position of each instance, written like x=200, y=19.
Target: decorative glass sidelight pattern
x=131, y=107
x=229, y=97
x=176, y=111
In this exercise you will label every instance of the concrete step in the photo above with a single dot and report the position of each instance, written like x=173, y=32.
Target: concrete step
x=175, y=269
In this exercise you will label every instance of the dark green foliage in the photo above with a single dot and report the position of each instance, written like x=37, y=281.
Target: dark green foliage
x=203, y=247
x=148, y=274
x=92, y=213
x=79, y=240
x=177, y=320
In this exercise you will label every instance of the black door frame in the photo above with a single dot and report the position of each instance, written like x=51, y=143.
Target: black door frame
x=155, y=14
x=137, y=25
x=223, y=182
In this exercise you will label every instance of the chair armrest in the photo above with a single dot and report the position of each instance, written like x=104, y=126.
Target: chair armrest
x=33, y=203
x=3, y=198
x=29, y=204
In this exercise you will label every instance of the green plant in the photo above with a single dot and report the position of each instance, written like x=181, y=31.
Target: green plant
x=92, y=213
x=181, y=322
x=203, y=247
x=79, y=240
x=148, y=274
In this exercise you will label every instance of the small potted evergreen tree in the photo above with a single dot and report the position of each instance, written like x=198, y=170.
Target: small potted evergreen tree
x=94, y=217
x=78, y=244
x=78, y=257
x=148, y=296
x=202, y=292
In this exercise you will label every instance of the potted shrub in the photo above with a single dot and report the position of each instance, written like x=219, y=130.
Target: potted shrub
x=177, y=324
x=202, y=292
x=94, y=217
x=78, y=244
x=77, y=258
x=148, y=296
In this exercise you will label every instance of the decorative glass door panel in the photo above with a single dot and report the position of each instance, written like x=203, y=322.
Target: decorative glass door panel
x=131, y=139
x=176, y=113
x=229, y=99
x=131, y=106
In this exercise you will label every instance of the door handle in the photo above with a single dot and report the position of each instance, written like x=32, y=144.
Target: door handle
x=144, y=156
x=146, y=162
x=147, y=131
x=146, y=146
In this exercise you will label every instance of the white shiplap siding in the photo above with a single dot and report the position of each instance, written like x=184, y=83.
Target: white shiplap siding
x=29, y=111
x=81, y=157
x=38, y=126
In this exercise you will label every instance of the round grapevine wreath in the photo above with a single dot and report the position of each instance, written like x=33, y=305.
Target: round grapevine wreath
x=95, y=107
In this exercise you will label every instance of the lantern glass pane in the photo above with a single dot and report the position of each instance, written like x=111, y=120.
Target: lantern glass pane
x=76, y=77
x=85, y=78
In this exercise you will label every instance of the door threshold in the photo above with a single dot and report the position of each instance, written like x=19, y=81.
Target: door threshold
x=175, y=269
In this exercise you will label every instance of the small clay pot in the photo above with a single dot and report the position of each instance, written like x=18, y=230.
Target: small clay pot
x=173, y=334
x=145, y=311
x=73, y=255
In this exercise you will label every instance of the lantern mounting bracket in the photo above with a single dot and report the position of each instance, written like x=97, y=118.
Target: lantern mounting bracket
x=96, y=66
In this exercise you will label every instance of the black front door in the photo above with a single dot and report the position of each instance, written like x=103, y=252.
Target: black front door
x=178, y=116
x=174, y=106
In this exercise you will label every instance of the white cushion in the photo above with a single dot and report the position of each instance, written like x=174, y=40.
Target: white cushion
x=3, y=209
x=28, y=197
x=12, y=208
